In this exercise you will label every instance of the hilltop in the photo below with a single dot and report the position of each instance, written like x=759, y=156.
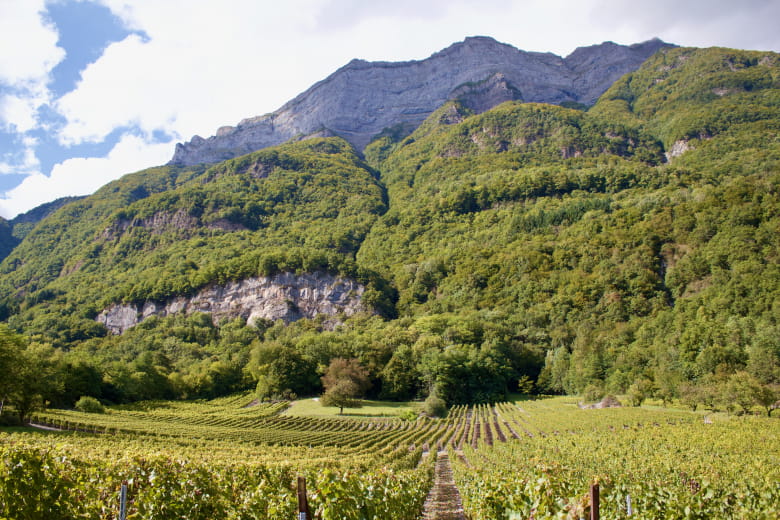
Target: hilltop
x=364, y=98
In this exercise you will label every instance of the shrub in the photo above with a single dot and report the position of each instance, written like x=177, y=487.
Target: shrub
x=434, y=406
x=89, y=405
x=408, y=415
x=593, y=392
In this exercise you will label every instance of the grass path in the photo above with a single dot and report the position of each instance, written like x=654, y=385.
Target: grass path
x=443, y=502
x=312, y=407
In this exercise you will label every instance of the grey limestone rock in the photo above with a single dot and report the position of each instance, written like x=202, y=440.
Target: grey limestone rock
x=362, y=98
x=284, y=296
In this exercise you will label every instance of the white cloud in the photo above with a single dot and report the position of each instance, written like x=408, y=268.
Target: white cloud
x=29, y=54
x=110, y=93
x=197, y=70
x=82, y=176
x=29, y=44
x=18, y=114
x=209, y=67
x=25, y=161
x=29, y=163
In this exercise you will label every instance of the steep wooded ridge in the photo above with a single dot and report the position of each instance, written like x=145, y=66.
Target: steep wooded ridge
x=13, y=231
x=630, y=246
x=363, y=98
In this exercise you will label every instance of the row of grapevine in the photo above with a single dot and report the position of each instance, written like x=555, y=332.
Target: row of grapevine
x=217, y=459
x=660, y=464
x=45, y=481
x=532, y=459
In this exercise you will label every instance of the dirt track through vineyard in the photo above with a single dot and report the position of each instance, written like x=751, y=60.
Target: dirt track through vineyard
x=443, y=502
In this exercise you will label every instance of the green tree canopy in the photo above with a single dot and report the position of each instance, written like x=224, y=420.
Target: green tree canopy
x=345, y=380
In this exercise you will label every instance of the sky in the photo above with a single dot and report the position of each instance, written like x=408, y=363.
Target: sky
x=93, y=89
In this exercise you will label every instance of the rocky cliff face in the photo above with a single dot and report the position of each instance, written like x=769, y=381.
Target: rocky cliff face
x=362, y=98
x=284, y=296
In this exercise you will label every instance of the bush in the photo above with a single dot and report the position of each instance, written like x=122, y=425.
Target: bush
x=89, y=405
x=10, y=420
x=593, y=392
x=408, y=415
x=434, y=406
x=639, y=391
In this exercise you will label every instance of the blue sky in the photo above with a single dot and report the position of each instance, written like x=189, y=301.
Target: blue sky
x=81, y=47
x=93, y=89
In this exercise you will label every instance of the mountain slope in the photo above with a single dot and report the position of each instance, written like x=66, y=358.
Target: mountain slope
x=630, y=247
x=363, y=98
x=12, y=232
x=567, y=227
x=168, y=232
x=7, y=239
x=682, y=94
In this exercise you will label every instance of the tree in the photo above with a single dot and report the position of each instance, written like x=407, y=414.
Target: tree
x=345, y=381
x=525, y=385
x=11, y=346
x=80, y=377
x=764, y=355
x=740, y=390
x=766, y=397
x=281, y=370
x=640, y=390
x=400, y=379
x=690, y=395
x=36, y=380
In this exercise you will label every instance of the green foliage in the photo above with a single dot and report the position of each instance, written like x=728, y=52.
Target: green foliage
x=685, y=93
x=7, y=240
x=89, y=404
x=639, y=391
x=167, y=232
x=345, y=380
x=434, y=406
x=630, y=248
x=281, y=369
x=662, y=460
x=11, y=347
x=525, y=385
x=222, y=458
x=408, y=415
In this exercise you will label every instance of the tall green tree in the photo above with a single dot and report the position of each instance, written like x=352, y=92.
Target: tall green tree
x=281, y=370
x=11, y=348
x=345, y=381
x=36, y=379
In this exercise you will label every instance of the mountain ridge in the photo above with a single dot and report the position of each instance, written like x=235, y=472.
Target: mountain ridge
x=362, y=98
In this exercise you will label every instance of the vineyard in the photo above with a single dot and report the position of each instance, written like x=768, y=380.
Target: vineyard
x=233, y=459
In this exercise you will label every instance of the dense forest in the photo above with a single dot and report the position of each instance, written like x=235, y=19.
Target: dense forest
x=630, y=247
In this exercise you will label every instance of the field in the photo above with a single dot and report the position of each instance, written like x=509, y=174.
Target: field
x=369, y=409
x=530, y=459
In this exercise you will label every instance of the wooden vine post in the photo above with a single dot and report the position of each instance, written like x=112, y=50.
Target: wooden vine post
x=594, y=502
x=303, y=500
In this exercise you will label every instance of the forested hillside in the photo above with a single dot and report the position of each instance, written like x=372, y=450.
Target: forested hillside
x=7, y=239
x=628, y=248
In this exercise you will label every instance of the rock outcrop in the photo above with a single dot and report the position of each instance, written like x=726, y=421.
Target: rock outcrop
x=285, y=296
x=362, y=98
x=164, y=221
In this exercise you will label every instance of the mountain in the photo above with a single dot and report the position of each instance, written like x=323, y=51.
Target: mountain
x=629, y=247
x=12, y=232
x=7, y=239
x=363, y=98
